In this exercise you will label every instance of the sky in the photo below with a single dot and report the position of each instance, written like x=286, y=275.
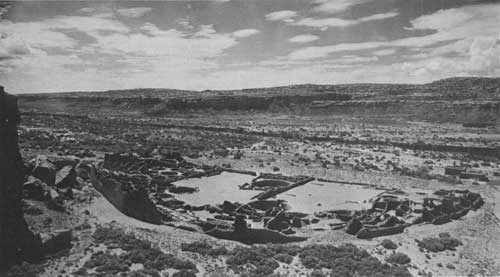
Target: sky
x=55, y=46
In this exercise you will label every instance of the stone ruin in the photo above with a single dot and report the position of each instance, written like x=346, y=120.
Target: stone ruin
x=391, y=214
x=141, y=187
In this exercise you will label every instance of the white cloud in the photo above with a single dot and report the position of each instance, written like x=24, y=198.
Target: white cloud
x=335, y=6
x=459, y=31
x=303, y=38
x=11, y=47
x=245, y=33
x=134, y=12
x=204, y=44
x=87, y=10
x=351, y=59
x=465, y=42
x=442, y=19
x=309, y=53
x=484, y=54
x=284, y=15
x=384, y=52
x=185, y=22
x=323, y=23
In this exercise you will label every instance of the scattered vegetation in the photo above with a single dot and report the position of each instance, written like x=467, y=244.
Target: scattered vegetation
x=257, y=260
x=441, y=243
x=204, y=248
x=24, y=269
x=344, y=260
x=136, y=251
x=347, y=260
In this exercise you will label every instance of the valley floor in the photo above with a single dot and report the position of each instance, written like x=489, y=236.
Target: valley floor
x=376, y=164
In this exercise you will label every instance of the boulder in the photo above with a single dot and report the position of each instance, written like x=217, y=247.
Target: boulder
x=35, y=189
x=66, y=177
x=61, y=162
x=45, y=171
x=57, y=241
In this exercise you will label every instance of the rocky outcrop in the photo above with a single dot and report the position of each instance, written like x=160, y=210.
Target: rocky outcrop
x=17, y=242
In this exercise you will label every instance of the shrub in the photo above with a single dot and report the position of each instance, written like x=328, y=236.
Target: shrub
x=144, y=273
x=284, y=258
x=398, y=258
x=389, y=244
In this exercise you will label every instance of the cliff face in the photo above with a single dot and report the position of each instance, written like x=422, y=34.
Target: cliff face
x=16, y=240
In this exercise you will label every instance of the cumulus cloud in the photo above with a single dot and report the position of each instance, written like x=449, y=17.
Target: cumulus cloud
x=335, y=6
x=324, y=23
x=134, y=12
x=243, y=33
x=284, y=15
x=456, y=42
x=442, y=19
x=11, y=47
x=484, y=54
x=453, y=34
x=303, y=38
